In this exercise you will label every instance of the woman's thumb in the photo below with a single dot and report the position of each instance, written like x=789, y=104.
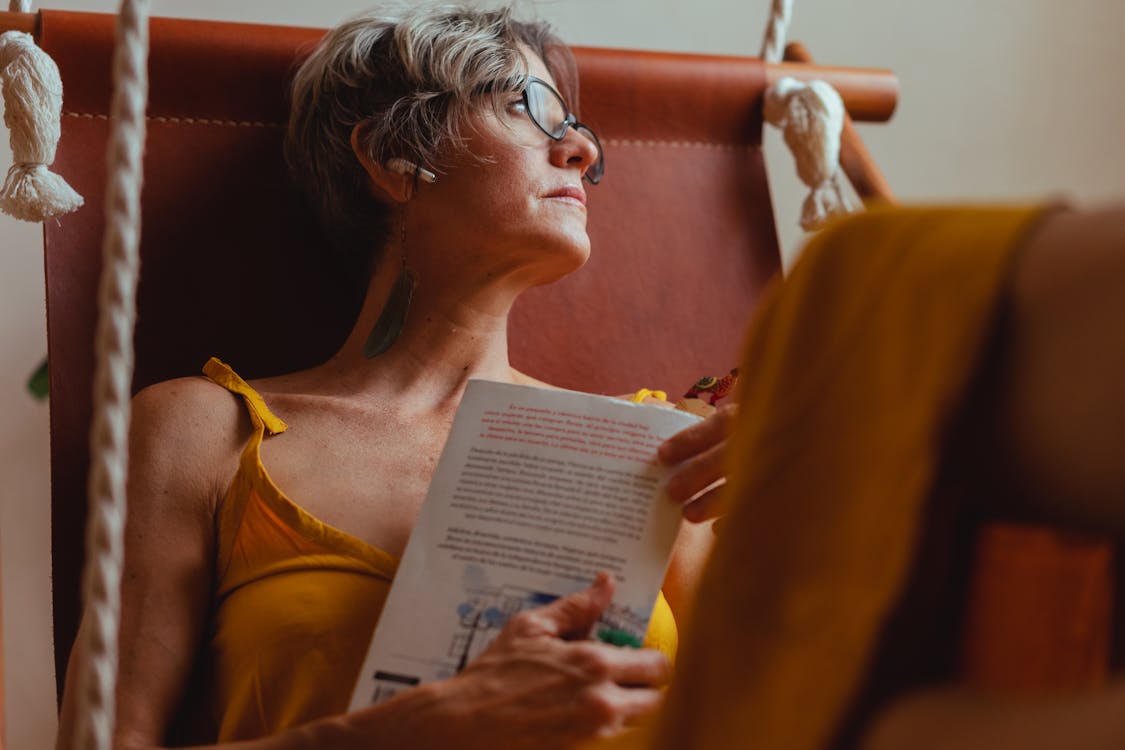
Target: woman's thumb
x=573, y=615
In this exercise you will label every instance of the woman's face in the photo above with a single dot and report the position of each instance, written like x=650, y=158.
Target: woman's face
x=512, y=208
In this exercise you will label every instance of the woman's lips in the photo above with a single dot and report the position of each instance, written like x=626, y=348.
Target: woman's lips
x=569, y=193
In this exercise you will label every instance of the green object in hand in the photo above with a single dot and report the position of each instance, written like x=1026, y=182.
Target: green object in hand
x=38, y=384
x=617, y=637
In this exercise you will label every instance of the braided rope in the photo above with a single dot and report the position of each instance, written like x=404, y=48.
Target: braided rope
x=773, y=45
x=109, y=433
x=811, y=117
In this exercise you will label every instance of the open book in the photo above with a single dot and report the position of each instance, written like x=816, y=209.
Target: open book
x=536, y=490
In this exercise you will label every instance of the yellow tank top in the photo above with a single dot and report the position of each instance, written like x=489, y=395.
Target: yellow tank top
x=296, y=601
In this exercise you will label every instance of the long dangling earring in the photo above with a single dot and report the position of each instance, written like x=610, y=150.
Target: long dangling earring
x=393, y=317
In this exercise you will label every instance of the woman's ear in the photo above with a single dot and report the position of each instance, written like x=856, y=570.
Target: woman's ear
x=383, y=182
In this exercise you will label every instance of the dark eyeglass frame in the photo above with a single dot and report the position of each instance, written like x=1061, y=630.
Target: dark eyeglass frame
x=595, y=171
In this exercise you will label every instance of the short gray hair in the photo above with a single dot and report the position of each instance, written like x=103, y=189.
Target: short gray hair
x=414, y=77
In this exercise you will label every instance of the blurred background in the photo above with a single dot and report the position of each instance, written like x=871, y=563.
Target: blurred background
x=1002, y=101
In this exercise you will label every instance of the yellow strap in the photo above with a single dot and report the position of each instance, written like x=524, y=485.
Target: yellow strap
x=223, y=375
x=640, y=396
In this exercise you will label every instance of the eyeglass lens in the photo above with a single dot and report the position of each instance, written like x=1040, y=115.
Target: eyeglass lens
x=548, y=111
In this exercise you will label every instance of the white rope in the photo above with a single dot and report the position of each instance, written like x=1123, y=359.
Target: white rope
x=32, y=94
x=19, y=6
x=109, y=433
x=811, y=117
x=777, y=29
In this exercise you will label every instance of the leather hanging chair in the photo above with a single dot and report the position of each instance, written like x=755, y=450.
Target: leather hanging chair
x=684, y=244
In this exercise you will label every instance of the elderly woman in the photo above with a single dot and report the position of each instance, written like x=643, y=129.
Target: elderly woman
x=451, y=175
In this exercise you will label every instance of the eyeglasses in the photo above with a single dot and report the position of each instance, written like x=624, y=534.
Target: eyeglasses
x=548, y=111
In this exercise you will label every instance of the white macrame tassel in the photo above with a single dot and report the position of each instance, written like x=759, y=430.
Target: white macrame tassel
x=32, y=108
x=811, y=118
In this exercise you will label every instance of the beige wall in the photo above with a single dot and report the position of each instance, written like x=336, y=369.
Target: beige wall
x=1002, y=100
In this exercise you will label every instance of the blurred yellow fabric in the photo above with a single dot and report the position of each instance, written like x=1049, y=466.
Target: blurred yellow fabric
x=852, y=372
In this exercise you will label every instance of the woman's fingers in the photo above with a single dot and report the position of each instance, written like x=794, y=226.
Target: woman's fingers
x=571, y=615
x=530, y=679
x=697, y=474
x=699, y=437
x=607, y=707
x=627, y=707
x=699, y=454
x=622, y=666
x=706, y=505
x=640, y=667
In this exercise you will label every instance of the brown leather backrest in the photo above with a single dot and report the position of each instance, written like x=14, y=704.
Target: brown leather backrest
x=682, y=230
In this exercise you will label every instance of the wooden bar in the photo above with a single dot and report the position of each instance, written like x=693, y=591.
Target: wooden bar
x=870, y=94
x=25, y=22
x=855, y=159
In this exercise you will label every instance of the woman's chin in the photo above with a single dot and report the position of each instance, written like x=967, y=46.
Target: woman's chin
x=577, y=255
x=564, y=261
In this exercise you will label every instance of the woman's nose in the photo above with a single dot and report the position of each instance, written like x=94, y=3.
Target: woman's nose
x=575, y=149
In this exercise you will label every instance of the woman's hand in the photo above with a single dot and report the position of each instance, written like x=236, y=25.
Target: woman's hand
x=534, y=687
x=698, y=453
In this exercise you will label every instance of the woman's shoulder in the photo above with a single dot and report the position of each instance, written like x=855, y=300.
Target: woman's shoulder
x=189, y=426
x=186, y=403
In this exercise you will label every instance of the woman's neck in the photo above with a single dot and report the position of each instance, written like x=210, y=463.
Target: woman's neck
x=450, y=335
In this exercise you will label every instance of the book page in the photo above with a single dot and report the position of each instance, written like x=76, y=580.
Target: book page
x=536, y=490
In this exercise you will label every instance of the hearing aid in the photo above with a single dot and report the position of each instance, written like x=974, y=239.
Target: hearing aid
x=404, y=167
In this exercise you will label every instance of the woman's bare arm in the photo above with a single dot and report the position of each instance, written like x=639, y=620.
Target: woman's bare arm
x=184, y=445
x=185, y=442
